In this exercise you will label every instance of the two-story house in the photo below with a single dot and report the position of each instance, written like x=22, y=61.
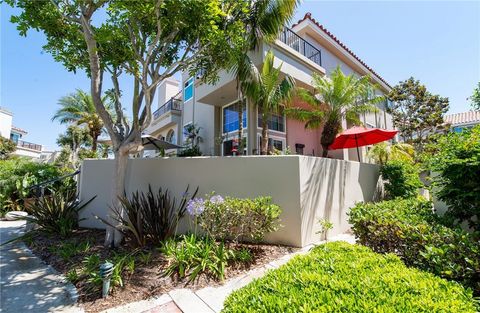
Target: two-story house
x=305, y=48
x=7, y=130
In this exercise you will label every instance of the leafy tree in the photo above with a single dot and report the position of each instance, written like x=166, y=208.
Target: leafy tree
x=416, y=112
x=475, y=98
x=335, y=98
x=6, y=147
x=73, y=141
x=401, y=179
x=382, y=152
x=456, y=158
x=269, y=93
x=148, y=41
x=78, y=108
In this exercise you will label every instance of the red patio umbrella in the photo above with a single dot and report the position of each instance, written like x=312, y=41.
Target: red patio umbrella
x=358, y=136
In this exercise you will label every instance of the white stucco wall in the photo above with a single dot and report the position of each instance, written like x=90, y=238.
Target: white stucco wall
x=165, y=91
x=306, y=188
x=5, y=123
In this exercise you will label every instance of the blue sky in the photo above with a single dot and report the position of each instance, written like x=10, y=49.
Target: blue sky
x=436, y=42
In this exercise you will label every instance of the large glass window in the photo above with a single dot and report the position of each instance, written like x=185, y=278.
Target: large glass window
x=188, y=90
x=276, y=122
x=230, y=117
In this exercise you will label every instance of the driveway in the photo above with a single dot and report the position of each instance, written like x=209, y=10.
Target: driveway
x=26, y=283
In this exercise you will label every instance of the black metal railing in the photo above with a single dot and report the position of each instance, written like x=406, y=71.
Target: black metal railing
x=297, y=43
x=39, y=189
x=171, y=105
x=29, y=145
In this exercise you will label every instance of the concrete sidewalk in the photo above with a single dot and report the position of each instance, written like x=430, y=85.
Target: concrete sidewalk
x=28, y=284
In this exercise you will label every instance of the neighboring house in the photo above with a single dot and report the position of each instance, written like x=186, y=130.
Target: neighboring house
x=167, y=121
x=7, y=130
x=461, y=121
x=305, y=48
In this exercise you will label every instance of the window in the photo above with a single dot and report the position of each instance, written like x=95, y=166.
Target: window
x=276, y=144
x=15, y=137
x=276, y=122
x=188, y=90
x=230, y=117
x=171, y=137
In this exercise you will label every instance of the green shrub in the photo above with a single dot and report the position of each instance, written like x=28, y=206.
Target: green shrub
x=456, y=159
x=17, y=176
x=56, y=213
x=149, y=218
x=401, y=179
x=339, y=277
x=410, y=229
x=190, y=256
x=245, y=219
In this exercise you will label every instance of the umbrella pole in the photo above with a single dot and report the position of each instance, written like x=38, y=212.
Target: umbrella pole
x=358, y=151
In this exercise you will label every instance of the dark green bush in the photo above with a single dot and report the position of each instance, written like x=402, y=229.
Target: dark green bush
x=56, y=213
x=149, y=218
x=234, y=218
x=17, y=176
x=191, y=256
x=401, y=179
x=339, y=277
x=410, y=229
x=456, y=159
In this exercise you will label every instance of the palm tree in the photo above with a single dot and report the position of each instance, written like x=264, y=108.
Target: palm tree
x=265, y=21
x=269, y=93
x=77, y=108
x=382, y=152
x=336, y=98
x=74, y=139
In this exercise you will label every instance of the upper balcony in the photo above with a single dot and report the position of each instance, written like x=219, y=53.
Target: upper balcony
x=167, y=115
x=296, y=56
x=173, y=104
x=297, y=43
x=29, y=145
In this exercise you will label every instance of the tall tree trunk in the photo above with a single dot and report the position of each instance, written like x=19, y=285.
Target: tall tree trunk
x=264, y=147
x=94, y=142
x=330, y=131
x=113, y=237
x=240, y=124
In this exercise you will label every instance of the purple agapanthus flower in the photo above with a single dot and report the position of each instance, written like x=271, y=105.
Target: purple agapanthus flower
x=195, y=206
x=216, y=199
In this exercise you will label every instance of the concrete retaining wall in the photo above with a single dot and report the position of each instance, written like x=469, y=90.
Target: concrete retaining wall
x=306, y=188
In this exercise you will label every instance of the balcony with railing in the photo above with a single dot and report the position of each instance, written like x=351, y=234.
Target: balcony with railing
x=172, y=105
x=28, y=145
x=297, y=43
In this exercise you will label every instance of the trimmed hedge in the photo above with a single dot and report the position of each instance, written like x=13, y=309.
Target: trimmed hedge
x=339, y=277
x=410, y=229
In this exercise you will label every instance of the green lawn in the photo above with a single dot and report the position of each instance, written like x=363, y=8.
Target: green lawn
x=339, y=277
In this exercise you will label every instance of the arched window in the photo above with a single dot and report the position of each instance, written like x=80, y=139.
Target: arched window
x=171, y=137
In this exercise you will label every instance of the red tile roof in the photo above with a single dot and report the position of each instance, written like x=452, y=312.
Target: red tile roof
x=308, y=16
x=470, y=117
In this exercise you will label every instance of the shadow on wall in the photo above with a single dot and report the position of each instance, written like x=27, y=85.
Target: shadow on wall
x=366, y=180
x=322, y=194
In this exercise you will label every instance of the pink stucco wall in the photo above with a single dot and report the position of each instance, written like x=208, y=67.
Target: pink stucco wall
x=297, y=134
